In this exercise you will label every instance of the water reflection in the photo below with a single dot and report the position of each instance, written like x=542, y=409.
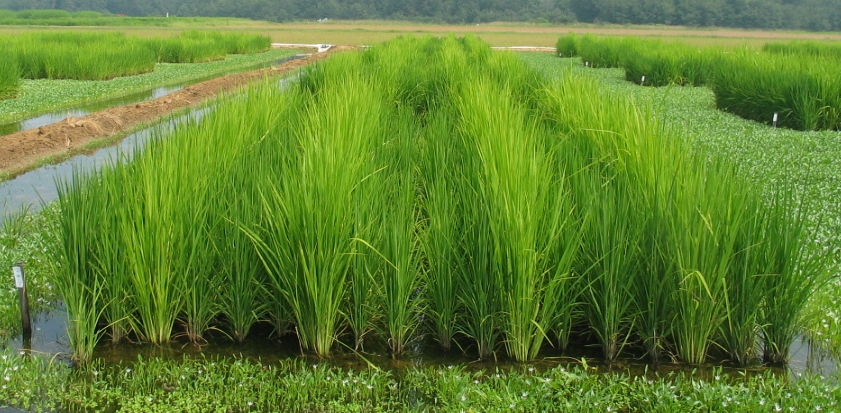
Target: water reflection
x=34, y=188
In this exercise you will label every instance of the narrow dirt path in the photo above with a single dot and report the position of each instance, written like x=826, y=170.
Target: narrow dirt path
x=20, y=151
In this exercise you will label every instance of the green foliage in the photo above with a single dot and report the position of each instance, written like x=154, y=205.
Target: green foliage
x=805, y=49
x=25, y=238
x=9, y=78
x=234, y=384
x=805, y=93
x=195, y=46
x=187, y=47
x=567, y=206
x=68, y=55
x=797, y=81
x=101, y=56
x=42, y=95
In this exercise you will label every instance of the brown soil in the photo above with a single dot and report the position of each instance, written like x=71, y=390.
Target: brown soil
x=22, y=150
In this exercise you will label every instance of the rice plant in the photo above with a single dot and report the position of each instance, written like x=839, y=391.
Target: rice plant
x=800, y=94
x=77, y=281
x=9, y=78
x=241, y=291
x=567, y=46
x=432, y=186
x=525, y=212
x=805, y=49
x=611, y=251
x=119, y=310
x=442, y=233
x=306, y=239
x=83, y=56
x=795, y=271
x=188, y=47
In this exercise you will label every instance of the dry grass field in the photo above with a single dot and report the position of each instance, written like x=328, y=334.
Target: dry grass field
x=497, y=34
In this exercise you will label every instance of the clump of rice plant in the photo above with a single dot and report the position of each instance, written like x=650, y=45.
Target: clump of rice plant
x=663, y=64
x=306, y=240
x=197, y=46
x=804, y=49
x=383, y=197
x=9, y=78
x=805, y=94
x=567, y=46
x=79, y=282
x=83, y=56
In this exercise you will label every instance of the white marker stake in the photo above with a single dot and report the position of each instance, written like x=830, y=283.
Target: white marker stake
x=18, y=272
x=642, y=81
x=20, y=284
x=775, y=119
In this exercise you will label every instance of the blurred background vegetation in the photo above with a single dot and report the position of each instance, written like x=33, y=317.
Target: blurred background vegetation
x=810, y=15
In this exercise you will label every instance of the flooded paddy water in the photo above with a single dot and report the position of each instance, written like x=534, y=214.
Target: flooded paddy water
x=49, y=340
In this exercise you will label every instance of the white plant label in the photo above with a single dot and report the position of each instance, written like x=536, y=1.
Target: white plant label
x=775, y=116
x=643, y=80
x=18, y=277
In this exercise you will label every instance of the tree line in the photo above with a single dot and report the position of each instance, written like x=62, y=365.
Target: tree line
x=813, y=15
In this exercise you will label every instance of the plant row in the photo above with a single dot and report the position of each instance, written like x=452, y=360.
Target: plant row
x=431, y=187
x=793, y=85
x=805, y=49
x=100, y=56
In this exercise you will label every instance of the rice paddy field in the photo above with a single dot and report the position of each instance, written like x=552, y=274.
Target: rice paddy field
x=430, y=190
x=53, y=70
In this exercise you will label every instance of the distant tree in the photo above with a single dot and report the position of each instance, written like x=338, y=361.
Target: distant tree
x=820, y=15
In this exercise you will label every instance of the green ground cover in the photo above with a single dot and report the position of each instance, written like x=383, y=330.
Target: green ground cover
x=40, y=96
x=241, y=385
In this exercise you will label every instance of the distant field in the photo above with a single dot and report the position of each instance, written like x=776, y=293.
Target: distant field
x=497, y=34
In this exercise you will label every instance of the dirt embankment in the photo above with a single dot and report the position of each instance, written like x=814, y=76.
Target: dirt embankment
x=19, y=151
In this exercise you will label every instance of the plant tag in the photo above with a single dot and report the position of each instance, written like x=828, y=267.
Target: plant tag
x=18, y=277
x=775, y=116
